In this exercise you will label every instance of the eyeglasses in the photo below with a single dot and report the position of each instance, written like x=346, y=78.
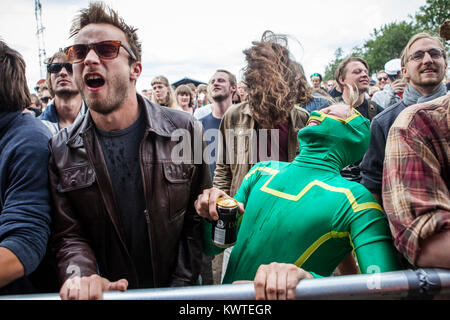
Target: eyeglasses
x=57, y=67
x=45, y=99
x=382, y=78
x=419, y=55
x=106, y=50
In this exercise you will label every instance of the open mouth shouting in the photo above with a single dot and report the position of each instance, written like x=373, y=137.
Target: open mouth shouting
x=94, y=81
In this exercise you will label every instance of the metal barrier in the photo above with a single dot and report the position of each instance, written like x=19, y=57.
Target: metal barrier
x=405, y=284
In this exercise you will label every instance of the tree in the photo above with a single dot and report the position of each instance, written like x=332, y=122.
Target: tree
x=387, y=43
x=432, y=15
x=331, y=67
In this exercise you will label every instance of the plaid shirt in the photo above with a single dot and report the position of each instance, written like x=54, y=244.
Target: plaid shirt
x=416, y=176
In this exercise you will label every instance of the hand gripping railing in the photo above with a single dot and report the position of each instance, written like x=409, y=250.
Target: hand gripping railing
x=405, y=284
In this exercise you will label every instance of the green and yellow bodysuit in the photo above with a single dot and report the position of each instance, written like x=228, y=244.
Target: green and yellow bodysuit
x=304, y=212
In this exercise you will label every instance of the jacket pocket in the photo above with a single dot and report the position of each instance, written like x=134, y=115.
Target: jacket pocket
x=178, y=177
x=77, y=177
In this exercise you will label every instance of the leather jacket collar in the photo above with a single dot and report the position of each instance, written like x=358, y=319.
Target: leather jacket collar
x=154, y=113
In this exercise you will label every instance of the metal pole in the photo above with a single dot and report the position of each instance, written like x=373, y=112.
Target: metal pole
x=406, y=284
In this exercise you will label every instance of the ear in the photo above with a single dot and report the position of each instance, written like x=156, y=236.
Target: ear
x=405, y=73
x=340, y=81
x=135, y=70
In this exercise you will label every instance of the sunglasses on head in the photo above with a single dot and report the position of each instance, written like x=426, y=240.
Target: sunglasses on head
x=106, y=50
x=56, y=67
x=382, y=78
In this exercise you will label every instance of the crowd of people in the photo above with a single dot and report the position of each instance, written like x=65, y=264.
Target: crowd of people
x=106, y=188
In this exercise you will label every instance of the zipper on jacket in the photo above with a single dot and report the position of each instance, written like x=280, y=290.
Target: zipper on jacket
x=146, y=213
x=147, y=217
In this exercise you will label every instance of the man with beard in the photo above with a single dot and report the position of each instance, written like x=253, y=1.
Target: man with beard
x=222, y=86
x=124, y=214
x=67, y=105
x=424, y=64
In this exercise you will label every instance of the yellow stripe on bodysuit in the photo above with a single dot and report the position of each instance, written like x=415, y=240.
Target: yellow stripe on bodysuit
x=308, y=252
x=355, y=205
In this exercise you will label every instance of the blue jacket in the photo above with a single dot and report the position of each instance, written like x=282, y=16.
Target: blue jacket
x=318, y=102
x=372, y=164
x=24, y=188
x=50, y=116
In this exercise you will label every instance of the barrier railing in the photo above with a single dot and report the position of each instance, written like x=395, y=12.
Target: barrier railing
x=405, y=284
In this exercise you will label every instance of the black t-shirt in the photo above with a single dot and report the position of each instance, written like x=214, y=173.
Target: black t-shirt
x=121, y=151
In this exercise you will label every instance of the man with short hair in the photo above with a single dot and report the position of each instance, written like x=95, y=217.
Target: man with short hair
x=353, y=78
x=423, y=66
x=67, y=106
x=124, y=214
x=24, y=190
x=222, y=86
x=46, y=97
x=353, y=73
x=382, y=79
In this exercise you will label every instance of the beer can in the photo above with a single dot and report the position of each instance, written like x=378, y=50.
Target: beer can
x=224, y=229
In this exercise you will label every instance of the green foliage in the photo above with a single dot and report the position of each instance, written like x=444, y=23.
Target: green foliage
x=432, y=15
x=339, y=56
x=388, y=42
x=331, y=67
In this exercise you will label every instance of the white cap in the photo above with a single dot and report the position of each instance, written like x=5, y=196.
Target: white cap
x=393, y=67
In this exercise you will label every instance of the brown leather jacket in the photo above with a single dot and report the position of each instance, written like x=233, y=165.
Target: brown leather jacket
x=87, y=232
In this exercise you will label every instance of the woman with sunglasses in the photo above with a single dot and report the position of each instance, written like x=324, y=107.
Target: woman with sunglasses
x=67, y=105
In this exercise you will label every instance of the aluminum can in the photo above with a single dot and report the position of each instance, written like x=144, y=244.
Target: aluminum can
x=223, y=232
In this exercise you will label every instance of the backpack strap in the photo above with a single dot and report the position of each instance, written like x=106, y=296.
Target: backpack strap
x=372, y=109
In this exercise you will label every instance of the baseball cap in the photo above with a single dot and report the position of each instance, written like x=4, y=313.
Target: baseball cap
x=393, y=67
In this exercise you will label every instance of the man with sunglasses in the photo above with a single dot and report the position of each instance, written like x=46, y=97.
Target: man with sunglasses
x=124, y=214
x=390, y=83
x=423, y=64
x=68, y=104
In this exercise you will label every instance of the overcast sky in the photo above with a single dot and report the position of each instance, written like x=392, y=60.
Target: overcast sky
x=194, y=38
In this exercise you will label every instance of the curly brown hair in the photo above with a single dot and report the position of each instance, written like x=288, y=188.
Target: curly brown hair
x=275, y=81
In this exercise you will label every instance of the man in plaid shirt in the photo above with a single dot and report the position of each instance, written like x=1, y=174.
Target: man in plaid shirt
x=416, y=183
